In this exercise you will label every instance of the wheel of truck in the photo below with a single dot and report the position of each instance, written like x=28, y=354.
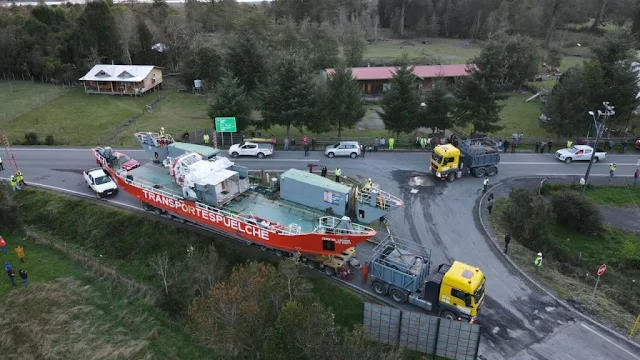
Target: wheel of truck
x=479, y=172
x=353, y=155
x=448, y=315
x=235, y=154
x=260, y=155
x=379, y=288
x=157, y=211
x=398, y=296
x=567, y=161
x=451, y=176
x=329, y=270
x=492, y=170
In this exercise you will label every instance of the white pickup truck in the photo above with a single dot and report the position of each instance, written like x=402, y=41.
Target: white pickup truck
x=101, y=183
x=580, y=153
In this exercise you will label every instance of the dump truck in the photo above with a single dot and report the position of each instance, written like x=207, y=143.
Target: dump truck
x=473, y=156
x=401, y=269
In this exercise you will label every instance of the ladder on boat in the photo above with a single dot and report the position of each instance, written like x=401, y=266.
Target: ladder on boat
x=7, y=148
x=384, y=199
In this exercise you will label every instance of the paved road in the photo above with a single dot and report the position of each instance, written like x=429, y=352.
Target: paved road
x=519, y=323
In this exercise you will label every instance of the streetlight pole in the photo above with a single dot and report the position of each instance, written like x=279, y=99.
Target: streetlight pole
x=608, y=111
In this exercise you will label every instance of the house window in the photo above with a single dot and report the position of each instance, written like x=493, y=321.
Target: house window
x=153, y=81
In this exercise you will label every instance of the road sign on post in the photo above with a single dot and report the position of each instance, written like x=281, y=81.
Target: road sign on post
x=226, y=124
x=600, y=271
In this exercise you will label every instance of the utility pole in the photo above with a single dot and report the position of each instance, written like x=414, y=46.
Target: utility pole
x=608, y=111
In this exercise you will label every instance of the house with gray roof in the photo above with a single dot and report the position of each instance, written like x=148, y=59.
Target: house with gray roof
x=132, y=80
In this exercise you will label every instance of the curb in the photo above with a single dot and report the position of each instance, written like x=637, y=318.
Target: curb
x=526, y=276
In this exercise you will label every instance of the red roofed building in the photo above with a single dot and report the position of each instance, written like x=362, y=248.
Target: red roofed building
x=375, y=80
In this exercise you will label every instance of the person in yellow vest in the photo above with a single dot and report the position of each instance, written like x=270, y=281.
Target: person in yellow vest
x=161, y=131
x=391, y=142
x=338, y=173
x=20, y=178
x=205, y=137
x=612, y=169
x=368, y=185
x=20, y=252
x=14, y=183
x=569, y=143
x=538, y=261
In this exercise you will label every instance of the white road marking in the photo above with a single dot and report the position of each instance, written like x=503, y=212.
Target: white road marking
x=66, y=149
x=560, y=163
x=582, y=174
x=281, y=160
x=611, y=342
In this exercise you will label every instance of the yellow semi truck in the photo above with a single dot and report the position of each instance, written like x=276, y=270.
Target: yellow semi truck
x=400, y=269
x=473, y=156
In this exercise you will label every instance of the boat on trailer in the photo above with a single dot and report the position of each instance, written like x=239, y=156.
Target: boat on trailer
x=191, y=183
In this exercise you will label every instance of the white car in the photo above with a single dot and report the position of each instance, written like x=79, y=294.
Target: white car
x=249, y=148
x=101, y=183
x=343, y=148
x=580, y=153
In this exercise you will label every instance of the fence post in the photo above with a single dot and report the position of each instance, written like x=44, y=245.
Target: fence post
x=435, y=343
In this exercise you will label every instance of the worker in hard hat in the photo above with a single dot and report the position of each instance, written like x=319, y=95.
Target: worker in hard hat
x=612, y=169
x=368, y=185
x=161, y=131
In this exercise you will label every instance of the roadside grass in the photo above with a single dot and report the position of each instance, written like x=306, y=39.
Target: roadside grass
x=20, y=97
x=605, y=195
x=573, y=280
x=126, y=241
x=70, y=312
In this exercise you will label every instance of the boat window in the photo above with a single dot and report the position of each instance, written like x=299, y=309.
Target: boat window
x=328, y=245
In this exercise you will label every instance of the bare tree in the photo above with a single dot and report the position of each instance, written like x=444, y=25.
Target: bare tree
x=127, y=30
x=160, y=263
x=602, y=4
x=205, y=267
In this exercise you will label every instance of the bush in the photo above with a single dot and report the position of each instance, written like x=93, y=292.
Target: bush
x=9, y=217
x=49, y=140
x=576, y=212
x=527, y=217
x=31, y=138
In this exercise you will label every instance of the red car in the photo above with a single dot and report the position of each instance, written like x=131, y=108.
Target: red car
x=106, y=153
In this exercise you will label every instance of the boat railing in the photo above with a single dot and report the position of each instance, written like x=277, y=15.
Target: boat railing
x=293, y=229
x=384, y=200
x=151, y=187
x=332, y=223
x=154, y=139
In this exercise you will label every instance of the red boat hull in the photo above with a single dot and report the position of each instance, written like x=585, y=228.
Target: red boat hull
x=235, y=226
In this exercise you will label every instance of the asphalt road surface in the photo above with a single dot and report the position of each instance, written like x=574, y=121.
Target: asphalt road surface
x=519, y=322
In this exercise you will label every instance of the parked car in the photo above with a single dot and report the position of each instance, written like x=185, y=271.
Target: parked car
x=580, y=153
x=343, y=148
x=100, y=182
x=251, y=148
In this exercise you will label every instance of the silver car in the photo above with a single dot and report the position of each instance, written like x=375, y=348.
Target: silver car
x=343, y=148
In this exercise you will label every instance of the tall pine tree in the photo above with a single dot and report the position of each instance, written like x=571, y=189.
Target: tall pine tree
x=230, y=100
x=401, y=103
x=246, y=61
x=288, y=99
x=344, y=100
x=437, y=115
x=477, y=104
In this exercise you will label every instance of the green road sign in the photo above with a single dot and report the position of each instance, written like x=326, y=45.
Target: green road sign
x=226, y=124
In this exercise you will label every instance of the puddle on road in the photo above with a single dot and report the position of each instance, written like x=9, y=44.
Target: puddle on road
x=421, y=181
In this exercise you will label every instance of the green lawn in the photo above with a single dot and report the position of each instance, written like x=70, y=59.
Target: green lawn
x=78, y=315
x=19, y=97
x=605, y=195
x=448, y=51
x=573, y=278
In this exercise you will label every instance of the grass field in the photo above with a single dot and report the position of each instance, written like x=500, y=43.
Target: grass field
x=573, y=279
x=20, y=97
x=605, y=195
x=67, y=312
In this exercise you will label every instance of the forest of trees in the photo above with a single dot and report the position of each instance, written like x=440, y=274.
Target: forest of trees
x=266, y=57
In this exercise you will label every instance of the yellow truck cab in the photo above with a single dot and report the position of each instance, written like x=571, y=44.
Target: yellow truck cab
x=461, y=288
x=473, y=156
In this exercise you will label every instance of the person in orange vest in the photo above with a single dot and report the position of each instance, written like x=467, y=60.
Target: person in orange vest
x=365, y=272
x=3, y=246
x=20, y=252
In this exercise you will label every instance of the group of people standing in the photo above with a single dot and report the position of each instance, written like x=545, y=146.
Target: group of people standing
x=17, y=181
x=9, y=269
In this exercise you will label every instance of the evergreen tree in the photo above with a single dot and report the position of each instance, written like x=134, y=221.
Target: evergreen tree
x=567, y=105
x=201, y=62
x=325, y=48
x=344, y=100
x=401, y=103
x=354, y=44
x=230, y=100
x=434, y=26
x=508, y=60
x=477, y=98
x=554, y=57
x=288, y=99
x=246, y=61
x=437, y=115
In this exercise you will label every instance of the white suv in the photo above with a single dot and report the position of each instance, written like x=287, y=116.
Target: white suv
x=343, y=148
x=248, y=148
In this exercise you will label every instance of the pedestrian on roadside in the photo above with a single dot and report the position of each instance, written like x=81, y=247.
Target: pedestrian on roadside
x=636, y=175
x=383, y=141
x=338, y=173
x=3, y=246
x=612, y=169
x=507, y=240
x=538, y=261
x=490, y=205
x=623, y=146
x=20, y=252
x=537, y=146
x=306, y=150
x=363, y=150
x=549, y=146
x=506, y=145
x=392, y=141
x=513, y=146
x=12, y=275
x=286, y=143
x=24, y=277
x=485, y=185
x=542, y=147
x=365, y=272
x=293, y=144
x=376, y=144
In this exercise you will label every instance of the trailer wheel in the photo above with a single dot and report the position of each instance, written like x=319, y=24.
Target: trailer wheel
x=479, y=172
x=451, y=177
x=379, y=288
x=492, y=170
x=448, y=315
x=329, y=270
x=146, y=207
x=398, y=296
x=279, y=253
x=157, y=211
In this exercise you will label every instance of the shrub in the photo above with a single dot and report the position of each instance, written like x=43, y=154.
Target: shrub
x=528, y=218
x=31, y=138
x=49, y=140
x=576, y=212
x=629, y=254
